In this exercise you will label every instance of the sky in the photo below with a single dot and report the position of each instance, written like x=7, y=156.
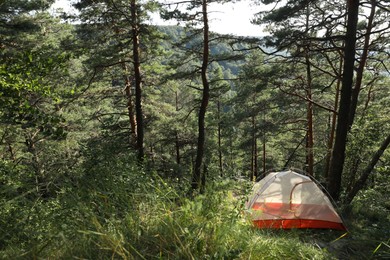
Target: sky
x=234, y=19
x=224, y=18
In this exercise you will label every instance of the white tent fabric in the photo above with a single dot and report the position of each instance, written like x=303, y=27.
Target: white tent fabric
x=288, y=199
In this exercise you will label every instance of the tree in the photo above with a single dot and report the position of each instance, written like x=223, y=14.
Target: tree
x=349, y=92
x=332, y=35
x=15, y=22
x=135, y=31
x=367, y=171
x=32, y=98
x=196, y=177
x=110, y=22
x=196, y=44
x=370, y=71
x=311, y=46
x=266, y=115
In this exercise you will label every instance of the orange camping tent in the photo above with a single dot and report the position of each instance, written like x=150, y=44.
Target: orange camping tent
x=288, y=199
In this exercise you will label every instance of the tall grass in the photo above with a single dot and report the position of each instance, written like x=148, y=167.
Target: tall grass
x=119, y=211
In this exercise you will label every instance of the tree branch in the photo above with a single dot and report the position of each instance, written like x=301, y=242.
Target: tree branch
x=308, y=100
x=367, y=171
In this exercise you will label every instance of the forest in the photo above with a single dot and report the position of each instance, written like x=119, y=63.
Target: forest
x=121, y=139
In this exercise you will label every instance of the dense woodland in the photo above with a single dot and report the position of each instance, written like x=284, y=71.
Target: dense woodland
x=122, y=139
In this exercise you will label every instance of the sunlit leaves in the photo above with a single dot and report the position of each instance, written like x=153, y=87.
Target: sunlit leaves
x=26, y=95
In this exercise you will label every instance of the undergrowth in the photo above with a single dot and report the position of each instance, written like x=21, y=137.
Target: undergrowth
x=119, y=211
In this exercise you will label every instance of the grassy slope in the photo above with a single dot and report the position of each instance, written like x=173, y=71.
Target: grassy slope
x=140, y=216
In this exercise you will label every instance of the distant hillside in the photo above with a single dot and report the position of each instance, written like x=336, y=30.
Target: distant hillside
x=230, y=60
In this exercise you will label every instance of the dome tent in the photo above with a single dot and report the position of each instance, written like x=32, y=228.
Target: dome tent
x=288, y=200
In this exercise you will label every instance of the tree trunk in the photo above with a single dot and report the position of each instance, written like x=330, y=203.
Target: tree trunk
x=333, y=123
x=177, y=140
x=138, y=80
x=309, y=113
x=35, y=163
x=255, y=159
x=338, y=154
x=130, y=107
x=309, y=142
x=220, y=159
x=353, y=170
x=289, y=159
x=196, y=182
x=309, y=131
x=366, y=172
x=264, y=153
x=203, y=179
x=362, y=64
x=254, y=166
x=177, y=147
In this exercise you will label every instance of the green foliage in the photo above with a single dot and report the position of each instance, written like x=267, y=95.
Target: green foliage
x=282, y=13
x=15, y=21
x=21, y=81
x=368, y=219
x=365, y=137
x=372, y=205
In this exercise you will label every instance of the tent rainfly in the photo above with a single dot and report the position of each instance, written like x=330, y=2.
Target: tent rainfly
x=288, y=200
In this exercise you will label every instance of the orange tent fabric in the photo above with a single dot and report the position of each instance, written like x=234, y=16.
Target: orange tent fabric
x=291, y=200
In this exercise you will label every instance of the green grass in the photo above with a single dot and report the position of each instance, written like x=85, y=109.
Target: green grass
x=158, y=224
x=134, y=215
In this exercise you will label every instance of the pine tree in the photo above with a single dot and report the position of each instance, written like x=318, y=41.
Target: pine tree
x=117, y=25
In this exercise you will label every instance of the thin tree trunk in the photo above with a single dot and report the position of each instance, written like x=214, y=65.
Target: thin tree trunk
x=309, y=114
x=264, y=152
x=289, y=159
x=36, y=164
x=353, y=170
x=367, y=171
x=130, y=107
x=309, y=131
x=333, y=123
x=177, y=140
x=338, y=154
x=138, y=80
x=253, y=150
x=231, y=154
x=177, y=147
x=196, y=177
x=220, y=159
x=264, y=156
x=253, y=160
x=203, y=179
x=129, y=96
